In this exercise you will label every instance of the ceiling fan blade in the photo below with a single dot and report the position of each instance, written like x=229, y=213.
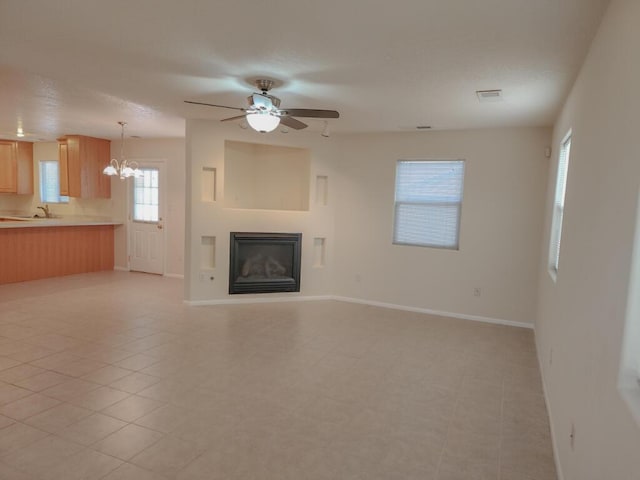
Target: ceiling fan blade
x=231, y=119
x=307, y=112
x=293, y=123
x=213, y=105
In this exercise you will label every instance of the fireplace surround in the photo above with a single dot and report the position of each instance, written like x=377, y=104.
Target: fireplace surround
x=264, y=262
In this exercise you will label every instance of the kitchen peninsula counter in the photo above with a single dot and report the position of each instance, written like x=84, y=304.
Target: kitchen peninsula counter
x=33, y=248
x=17, y=221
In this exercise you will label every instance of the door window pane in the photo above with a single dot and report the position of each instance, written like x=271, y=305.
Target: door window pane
x=145, y=196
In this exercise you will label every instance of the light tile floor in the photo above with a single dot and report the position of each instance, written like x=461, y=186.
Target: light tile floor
x=111, y=376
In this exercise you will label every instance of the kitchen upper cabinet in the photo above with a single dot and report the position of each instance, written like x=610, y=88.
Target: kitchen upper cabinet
x=16, y=167
x=82, y=160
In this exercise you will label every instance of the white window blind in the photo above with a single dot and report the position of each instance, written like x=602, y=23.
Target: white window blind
x=145, y=196
x=428, y=202
x=50, y=183
x=558, y=205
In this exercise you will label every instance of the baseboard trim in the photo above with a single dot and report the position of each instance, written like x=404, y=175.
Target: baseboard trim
x=241, y=301
x=168, y=275
x=174, y=275
x=440, y=313
x=428, y=311
x=554, y=443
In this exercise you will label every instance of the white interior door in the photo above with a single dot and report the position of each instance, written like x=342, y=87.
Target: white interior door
x=146, y=252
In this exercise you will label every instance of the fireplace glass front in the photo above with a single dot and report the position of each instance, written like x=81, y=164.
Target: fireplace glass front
x=264, y=262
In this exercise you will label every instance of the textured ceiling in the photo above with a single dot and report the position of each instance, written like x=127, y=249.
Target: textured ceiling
x=80, y=66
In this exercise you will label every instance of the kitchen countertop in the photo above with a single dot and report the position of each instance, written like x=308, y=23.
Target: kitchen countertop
x=24, y=221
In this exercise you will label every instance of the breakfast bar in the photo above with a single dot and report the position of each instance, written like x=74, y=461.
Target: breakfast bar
x=33, y=248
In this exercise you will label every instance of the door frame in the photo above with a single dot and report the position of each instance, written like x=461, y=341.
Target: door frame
x=161, y=165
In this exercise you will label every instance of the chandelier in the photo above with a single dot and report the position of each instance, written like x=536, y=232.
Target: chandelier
x=122, y=168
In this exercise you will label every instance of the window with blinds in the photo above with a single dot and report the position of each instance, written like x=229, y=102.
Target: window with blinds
x=558, y=206
x=50, y=183
x=428, y=203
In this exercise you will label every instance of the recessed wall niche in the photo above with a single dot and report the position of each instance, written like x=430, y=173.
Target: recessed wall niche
x=268, y=177
x=319, y=252
x=208, y=184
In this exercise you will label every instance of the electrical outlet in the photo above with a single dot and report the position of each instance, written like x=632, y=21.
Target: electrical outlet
x=206, y=276
x=477, y=292
x=572, y=436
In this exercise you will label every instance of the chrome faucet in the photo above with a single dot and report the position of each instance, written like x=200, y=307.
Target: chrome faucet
x=46, y=211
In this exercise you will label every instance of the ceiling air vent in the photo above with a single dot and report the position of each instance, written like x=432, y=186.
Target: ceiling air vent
x=489, y=95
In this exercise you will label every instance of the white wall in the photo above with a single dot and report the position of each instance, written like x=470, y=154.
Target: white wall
x=173, y=152
x=582, y=316
x=501, y=219
x=501, y=225
x=205, y=148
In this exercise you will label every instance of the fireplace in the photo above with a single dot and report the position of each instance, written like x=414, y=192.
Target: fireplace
x=264, y=262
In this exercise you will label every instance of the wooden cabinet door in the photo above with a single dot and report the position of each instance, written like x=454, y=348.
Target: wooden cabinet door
x=63, y=167
x=102, y=160
x=88, y=175
x=82, y=160
x=8, y=167
x=74, y=165
x=24, y=181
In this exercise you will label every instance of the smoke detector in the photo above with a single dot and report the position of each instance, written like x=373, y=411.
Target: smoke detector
x=489, y=95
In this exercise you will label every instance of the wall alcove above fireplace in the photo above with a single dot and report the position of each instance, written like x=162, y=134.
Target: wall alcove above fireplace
x=266, y=177
x=264, y=262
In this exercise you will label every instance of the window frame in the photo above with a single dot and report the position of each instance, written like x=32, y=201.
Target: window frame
x=559, y=201
x=629, y=371
x=456, y=246
x=42, y=176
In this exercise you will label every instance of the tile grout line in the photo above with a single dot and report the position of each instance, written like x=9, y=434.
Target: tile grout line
x=449, y=424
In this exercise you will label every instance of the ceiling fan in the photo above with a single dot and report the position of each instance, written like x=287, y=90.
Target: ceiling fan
x=264, y=113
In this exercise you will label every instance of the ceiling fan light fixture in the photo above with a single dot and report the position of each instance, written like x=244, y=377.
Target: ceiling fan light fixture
x=263, y=122
x=264, y=114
